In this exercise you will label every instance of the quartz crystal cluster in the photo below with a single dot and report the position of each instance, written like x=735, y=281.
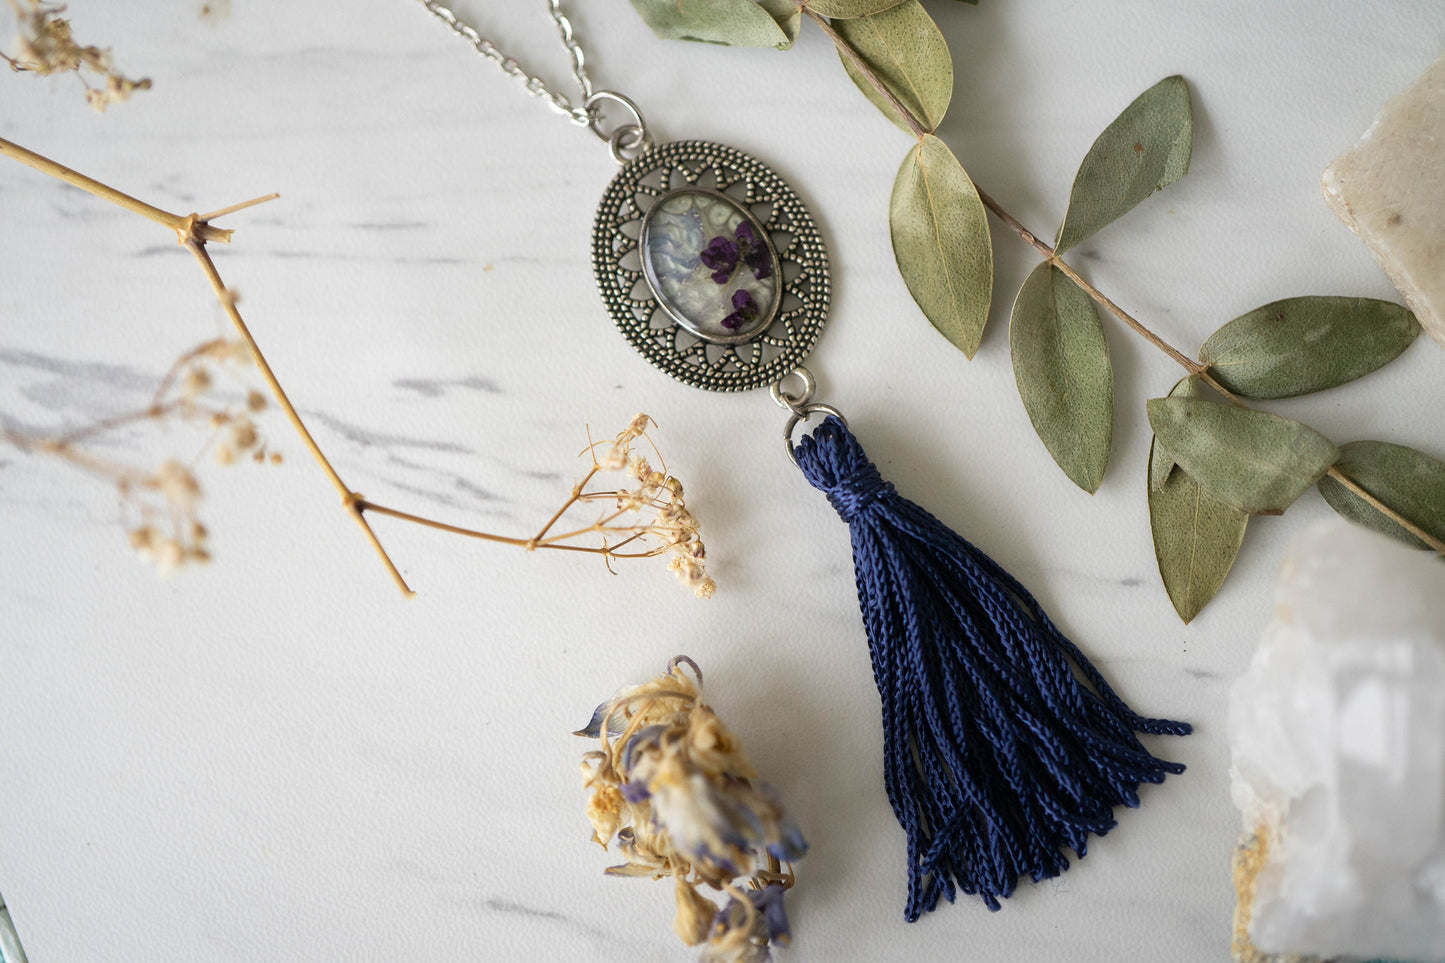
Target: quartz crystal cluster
x=1337, y=731
x=673, y=788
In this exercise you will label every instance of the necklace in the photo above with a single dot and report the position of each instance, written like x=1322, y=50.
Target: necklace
x=709, y=264
x=1003, y=745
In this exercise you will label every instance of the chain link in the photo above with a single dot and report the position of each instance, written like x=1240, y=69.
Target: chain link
x=580, y=115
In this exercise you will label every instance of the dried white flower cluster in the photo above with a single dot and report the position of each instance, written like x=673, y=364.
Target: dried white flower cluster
x=674, y=788
x=163, y=501
x=169, y=533
x=44, y=45
x=671, y=527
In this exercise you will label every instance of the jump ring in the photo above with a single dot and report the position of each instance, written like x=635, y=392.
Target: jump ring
x=794, y=403
x=802, y=414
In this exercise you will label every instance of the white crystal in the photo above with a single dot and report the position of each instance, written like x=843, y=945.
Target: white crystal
x=1338, y=737
x=1390, y=189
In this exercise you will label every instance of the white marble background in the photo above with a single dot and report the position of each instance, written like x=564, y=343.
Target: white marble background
x=277, y=758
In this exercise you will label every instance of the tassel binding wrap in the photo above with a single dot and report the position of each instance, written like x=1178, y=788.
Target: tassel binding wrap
x=1002, y=744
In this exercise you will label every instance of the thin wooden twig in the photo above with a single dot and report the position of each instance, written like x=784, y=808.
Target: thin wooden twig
x=194, y=231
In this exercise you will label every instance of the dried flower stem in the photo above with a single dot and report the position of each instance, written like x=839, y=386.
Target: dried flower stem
x=45, y=165
x=1196, y=368
x=193, y=232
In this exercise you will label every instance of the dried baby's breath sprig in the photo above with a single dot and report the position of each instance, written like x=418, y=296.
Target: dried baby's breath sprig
x=162, y=502
x=643, y=520
x=673, y=787
x=44, y=45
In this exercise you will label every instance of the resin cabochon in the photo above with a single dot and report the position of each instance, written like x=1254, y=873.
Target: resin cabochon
x=658, y=215
x=677, y=229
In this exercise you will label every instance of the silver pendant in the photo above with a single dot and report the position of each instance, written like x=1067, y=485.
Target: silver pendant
x=711, y=266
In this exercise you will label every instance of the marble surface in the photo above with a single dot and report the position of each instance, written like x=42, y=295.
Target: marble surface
x=276, y=757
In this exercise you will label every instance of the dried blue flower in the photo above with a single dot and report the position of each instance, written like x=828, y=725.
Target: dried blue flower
x=769, y=902
x=635, y=791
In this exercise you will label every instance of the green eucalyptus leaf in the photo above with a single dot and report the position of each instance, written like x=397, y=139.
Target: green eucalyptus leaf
x=1061, y=366
x=941, y=242
x=1299, y=345
x=847, y=9
x=1255, y=461
x=903, y=47
x=1146, y=148
x=738, y=23
x=1161, y=463
x=1196, y=535
x=1409, y=481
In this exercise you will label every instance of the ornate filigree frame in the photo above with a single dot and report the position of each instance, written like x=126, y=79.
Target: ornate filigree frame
x=804, y=291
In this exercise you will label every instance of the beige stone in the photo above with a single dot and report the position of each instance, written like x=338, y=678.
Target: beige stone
x=1390, y=189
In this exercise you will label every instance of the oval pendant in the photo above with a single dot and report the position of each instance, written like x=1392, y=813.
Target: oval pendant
x=711, y=266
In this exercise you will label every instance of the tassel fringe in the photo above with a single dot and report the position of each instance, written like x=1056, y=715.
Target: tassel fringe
x=1003, y=745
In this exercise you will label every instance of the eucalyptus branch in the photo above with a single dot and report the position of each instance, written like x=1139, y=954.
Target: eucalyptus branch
x=671, y=527
x=1198, y=369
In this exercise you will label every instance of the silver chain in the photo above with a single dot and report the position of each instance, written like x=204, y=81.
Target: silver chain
x=582, y=115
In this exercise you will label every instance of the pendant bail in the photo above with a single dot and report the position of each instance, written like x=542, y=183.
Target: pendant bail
x=627, y=139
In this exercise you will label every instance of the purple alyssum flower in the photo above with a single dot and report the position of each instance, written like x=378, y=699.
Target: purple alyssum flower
x=753, y=252
x=723, y=254
x=720, y=257
x=745, y=311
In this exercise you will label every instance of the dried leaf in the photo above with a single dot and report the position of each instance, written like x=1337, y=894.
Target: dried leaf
x=941, y=242
x=1196, y=535
x=1299, y=345
x=1146, y=148
x=845, y=9
x=739, y=23
x=1409, y=481
x=1161, y=463
x=1255, y=461
x=903, y=46
x=1061, y=366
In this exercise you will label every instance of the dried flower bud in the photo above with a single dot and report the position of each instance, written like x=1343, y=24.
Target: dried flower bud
x=694, y=916
x=195, y=381
x=243, y=434
x=169, y=555
x=176, y=482
x=614, y=459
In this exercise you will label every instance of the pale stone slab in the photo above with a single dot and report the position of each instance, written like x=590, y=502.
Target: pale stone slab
x=1390, y=189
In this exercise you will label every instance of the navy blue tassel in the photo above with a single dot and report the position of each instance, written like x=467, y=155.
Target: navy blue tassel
x=1002, y=744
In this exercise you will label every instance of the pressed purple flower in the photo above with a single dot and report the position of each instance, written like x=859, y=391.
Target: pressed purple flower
x=753, y=252
x=723, y=254
x=720, y=257
x=745, y=311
